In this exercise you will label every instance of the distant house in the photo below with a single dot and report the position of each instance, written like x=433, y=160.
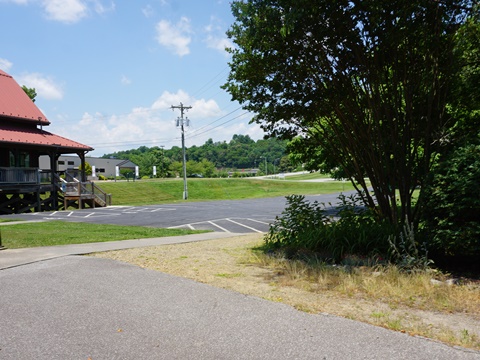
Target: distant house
x=104, y=167
x=23, y=186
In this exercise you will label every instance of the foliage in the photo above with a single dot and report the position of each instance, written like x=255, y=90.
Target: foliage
x=240, y=153
x=88, y=168
x=452, y=209
x=406, y=252
x=366, y=82
x=332, y=233
x=31, y=92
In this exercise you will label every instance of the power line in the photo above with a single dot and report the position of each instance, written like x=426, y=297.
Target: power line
x=213, y=122
x=226, y=122
x=199, y=91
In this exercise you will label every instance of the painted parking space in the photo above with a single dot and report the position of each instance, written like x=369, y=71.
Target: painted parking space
x=229, y=225
x=100, y=212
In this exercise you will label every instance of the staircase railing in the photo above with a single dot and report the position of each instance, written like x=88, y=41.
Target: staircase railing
x=70, y=178
x=101, y=197
x=85, y=190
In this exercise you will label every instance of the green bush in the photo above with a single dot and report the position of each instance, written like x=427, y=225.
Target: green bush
x=451, y=217
x=348, y=229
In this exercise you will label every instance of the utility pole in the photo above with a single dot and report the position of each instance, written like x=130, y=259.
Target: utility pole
x=266, y=169
x=182, y=123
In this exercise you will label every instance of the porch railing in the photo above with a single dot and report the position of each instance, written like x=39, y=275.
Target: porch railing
x=12, y=175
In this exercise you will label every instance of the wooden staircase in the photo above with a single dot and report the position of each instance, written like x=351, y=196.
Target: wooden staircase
x=78, y=194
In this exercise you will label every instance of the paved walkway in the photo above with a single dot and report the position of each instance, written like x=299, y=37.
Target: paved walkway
x=77, y=307
x=15, y=257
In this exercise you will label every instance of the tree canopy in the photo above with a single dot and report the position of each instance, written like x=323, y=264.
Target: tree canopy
x=241, y=152
x=365, y=83
x=31, y=92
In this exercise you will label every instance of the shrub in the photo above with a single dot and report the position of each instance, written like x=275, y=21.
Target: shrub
x=332, y=233
x=451, y=217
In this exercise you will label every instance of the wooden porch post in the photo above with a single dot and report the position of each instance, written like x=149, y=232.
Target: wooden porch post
x=53, y=171
x=81, y=155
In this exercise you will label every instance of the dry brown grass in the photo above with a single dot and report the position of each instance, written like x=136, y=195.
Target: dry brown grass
x=385, y=297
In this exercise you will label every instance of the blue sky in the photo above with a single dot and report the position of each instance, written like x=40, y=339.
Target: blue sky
x=106, y=72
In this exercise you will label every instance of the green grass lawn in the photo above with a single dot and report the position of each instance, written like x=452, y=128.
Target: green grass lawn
x=308, y=176
x=156, y=191
x=51, y=233
x=147, y=192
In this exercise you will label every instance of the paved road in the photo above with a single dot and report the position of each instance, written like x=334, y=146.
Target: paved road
x=88, y=308
x=235, y=216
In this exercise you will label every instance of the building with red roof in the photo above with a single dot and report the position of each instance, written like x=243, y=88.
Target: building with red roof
x=22, y=141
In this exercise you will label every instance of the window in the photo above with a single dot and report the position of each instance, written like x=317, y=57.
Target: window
x=61, y=162
x=12, y=159
x=19, y=159
x=71, y=163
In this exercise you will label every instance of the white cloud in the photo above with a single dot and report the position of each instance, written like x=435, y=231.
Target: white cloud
x=45, y=86
x=155, y=125
x=19, y=2
x=218, y=43
x=203, y=109
x=167, y=99
x=101, y=9
x=148, y=11
x=200, y=108
x=66, y=11
x=5, y=65
x=175, y=37
x=125, y=80
x=216, y=38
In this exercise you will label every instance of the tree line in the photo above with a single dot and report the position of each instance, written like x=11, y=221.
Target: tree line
x=212, y=159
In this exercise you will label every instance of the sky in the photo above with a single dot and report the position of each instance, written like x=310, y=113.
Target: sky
x=107, y=72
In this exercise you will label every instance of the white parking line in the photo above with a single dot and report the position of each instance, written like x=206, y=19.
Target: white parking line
x=245, y=226
x=260, y=222
x=218, y=226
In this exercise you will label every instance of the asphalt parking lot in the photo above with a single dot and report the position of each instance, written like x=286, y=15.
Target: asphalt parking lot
x=231, y=216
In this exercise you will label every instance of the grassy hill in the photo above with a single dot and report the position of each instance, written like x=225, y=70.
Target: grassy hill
x=156, y=191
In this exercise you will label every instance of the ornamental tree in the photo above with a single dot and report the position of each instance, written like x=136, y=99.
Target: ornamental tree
x=366, y=81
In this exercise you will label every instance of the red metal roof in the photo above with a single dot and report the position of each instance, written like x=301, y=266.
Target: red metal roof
x=15, y=103
x=33, y=136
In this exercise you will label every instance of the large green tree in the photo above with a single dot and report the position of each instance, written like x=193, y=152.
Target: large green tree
x=365, y=80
